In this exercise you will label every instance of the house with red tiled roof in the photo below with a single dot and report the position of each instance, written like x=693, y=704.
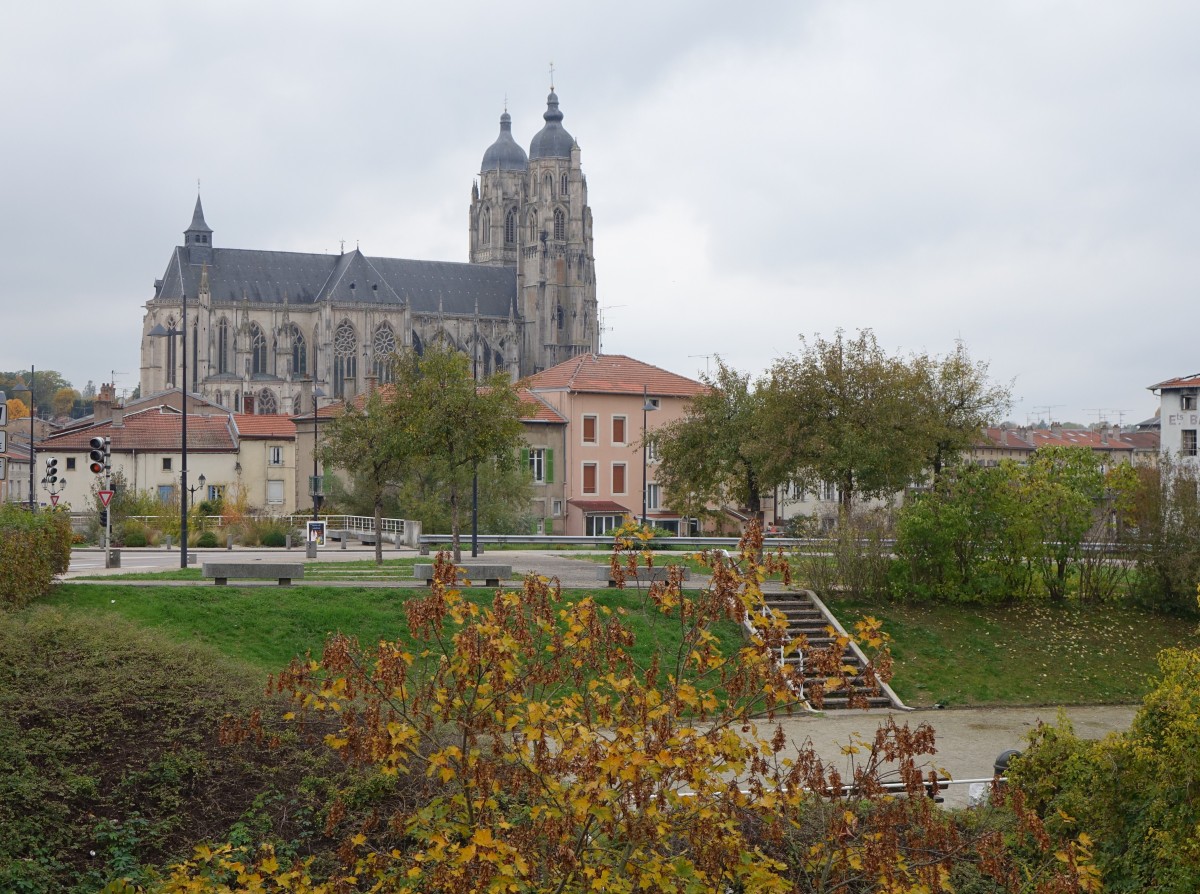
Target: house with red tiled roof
x=1109, y=442
x=1179, y=416
x=145, y=453
x=609, y=402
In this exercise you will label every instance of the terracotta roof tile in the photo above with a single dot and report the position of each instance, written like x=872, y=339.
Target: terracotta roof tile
x=155, y=428
x=613, y=374
x=265, y=426
x=538, y=410
x=1189, y=381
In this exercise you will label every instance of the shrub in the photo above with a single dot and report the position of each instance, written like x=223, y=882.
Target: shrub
x=274, y=538
x=135, y=537
x=34, y=547
x=207, y=539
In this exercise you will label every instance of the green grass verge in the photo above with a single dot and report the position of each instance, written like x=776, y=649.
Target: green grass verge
x=266, y=626
x=1027, y=653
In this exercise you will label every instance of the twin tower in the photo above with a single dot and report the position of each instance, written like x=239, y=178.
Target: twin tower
x=530, y=212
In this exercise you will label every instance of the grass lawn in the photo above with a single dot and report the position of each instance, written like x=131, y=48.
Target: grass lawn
x=265, y=627
x=1021, y=654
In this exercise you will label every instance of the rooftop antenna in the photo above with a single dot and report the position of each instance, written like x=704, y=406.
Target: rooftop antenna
x=600, y=313
x=1046, y=408
x=706, y=357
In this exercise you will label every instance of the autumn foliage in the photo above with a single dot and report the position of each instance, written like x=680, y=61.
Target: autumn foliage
x=531, y=754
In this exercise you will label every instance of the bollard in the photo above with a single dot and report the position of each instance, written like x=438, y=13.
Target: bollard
x=167, y=543
x=229, y=542
x=345, y=537
x=287, y=541
x=312, y=549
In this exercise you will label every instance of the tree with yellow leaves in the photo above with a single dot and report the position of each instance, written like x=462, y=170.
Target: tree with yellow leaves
x=537, y=756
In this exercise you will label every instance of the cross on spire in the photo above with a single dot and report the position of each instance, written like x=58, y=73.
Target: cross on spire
x=551, y=75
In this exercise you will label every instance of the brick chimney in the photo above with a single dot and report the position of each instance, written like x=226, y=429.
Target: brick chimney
x=102, y=408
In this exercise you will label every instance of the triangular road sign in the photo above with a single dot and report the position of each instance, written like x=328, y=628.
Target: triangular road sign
x=105, y=497
x=54, y=499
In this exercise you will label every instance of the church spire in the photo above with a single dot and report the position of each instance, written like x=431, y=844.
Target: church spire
x=197, y=238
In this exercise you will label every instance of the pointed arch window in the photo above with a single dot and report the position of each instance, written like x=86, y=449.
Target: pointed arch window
x=533, y=226
x=258, y=350
x=560, y=225
x=510, y=226
x=383, y=348
x=223, y=353
x=485, y=225
x=563, y=190
x=345, y=361
x=299, y=352
x=265, y=404
x=548, y=185
x=172, y=353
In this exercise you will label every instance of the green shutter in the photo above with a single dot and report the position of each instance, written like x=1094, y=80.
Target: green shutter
x=525, y=458
x=533, y=526
x=549, y=467
x=549, y=526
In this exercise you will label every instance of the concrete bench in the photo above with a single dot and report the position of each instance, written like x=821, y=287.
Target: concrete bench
x=284, y=572
x=490, y=574
x=643, y=576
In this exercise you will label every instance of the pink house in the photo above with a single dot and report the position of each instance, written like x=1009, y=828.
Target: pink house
x=609, y=401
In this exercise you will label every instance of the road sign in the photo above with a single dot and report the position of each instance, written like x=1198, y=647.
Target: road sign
x=3, y=410
x=3, y=441
x=54, y=499
x=3, y=468
x=105, y=497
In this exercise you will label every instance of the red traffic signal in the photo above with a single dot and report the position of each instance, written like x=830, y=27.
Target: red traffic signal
x=98, y=455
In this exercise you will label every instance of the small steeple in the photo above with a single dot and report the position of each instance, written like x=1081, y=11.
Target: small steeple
x=197, y=238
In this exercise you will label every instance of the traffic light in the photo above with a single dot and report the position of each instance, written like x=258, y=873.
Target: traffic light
x=99, y=455
x=96, y=456
x=104, y=518
x=51, y=471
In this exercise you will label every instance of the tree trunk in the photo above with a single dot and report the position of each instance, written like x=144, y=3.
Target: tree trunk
x=456, y=545
x=378, y=532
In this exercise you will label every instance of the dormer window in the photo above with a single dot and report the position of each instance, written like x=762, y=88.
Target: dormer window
x=1187, y=401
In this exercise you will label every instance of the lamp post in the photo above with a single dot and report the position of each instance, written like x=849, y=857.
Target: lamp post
x=316, y=483
x=647, y=407
x=160, y=332
x=198, y=486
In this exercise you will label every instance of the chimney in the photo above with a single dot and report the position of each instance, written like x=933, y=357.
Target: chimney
x=1056, y=429
x=118, y=415
x=102, y=407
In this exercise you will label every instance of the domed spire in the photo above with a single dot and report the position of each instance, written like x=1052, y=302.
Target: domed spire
x=505, y=154
x=552, y=141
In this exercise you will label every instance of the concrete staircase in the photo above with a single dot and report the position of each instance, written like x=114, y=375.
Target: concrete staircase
x=809, y=618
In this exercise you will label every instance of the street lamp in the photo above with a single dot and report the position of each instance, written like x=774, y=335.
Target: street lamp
x=198, y=486
x=647, y=407
x=159, y=332
x=21, y=386
x=315, y=485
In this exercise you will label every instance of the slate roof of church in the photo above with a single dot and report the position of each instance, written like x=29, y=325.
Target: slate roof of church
x=271, y=277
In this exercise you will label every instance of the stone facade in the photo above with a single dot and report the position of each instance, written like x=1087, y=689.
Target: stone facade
x=264, y=329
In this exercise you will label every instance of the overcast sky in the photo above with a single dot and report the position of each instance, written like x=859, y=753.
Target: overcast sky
x=1019, y=175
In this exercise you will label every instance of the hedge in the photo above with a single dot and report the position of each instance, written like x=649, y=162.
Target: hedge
x=34, y=549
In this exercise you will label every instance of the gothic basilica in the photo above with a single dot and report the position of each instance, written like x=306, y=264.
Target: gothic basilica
x=265, y=328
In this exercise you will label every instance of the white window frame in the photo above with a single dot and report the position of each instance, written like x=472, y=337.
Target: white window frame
x=275, y=456
x=595, y=430
x=612, y=473
x=1188, y=442
x=595, y=478
x=275, y=484
x=556, y=507
x=624, y=425
x=653, y=495
x=537, y=464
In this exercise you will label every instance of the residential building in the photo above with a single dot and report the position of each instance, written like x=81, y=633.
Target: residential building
x=1179, y=416
x=601, y=397
x=545, y=455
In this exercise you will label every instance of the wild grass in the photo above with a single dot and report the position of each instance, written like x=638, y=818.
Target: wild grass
x=1029, y=653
